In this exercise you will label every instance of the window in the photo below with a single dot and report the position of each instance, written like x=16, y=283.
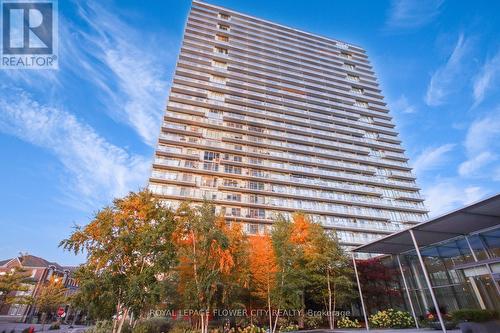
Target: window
x=257, y=173
x=361, y=104
x=366, y=119
x=346, y=55
x=209, y=181
x=235, y=211
x=219, y=64
x=233, y=197
x=221, y=50
x=257, y=213
x=234, y=125
x=254, y=160
x=230, y=183
x=224, y=16
x=213, y=134
x=357, y=90
x=352, y=77
x=210, y=156
x=218, y=79
x=341, y=45
x=253, y=229
x=222, y=38
x=218, y=96
x=255, y=129
x=213, y=113
x=257, y=199
x=223, y=27
x=209, y=166
x=349, y=66
x=232, y=169
x=256, y=185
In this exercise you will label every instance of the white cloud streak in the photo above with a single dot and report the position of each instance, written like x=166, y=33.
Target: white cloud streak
x=447, y=195
x=431, y=158
x=96, y=169
x=486, y=79
x=412, y=14
x=444, y=80
x=403, y=105
x=124, y=65
x=482, y=146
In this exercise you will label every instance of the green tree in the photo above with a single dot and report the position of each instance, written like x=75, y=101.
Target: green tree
x=49, y=297
x=129, y=247
x=208, y=252
x=311, y=265
x=16, y=280
x=330, y=270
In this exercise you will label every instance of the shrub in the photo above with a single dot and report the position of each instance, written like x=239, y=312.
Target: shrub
x=26, y=330
x=180, y=326
x=312, y=322
x=289, y=328
x=251, y=329
x=54, y=326
x=346, y=322
x=102, y=326
x=391, y=318
x=474, y=315
x=153, y=325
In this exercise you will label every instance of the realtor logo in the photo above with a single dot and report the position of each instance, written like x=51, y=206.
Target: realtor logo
x=29, y=34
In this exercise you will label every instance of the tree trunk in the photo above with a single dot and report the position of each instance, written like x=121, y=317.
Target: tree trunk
x=276, y=321
x=330, y=314
x=302, y=309
x=269, y=313
x=122, y=320
x=334, y=306
x=115, y=321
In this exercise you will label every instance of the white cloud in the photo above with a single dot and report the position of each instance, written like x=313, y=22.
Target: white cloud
x=486, y=78
x=431, y=158
x=410, y=14
x=97, y=170
x=127, y=68
x=475, y=163
x=482, y=146
x=402, y=105
x=444, y=80
x=445, y=196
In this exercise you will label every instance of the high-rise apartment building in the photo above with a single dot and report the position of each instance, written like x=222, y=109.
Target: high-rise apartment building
x=265, y=119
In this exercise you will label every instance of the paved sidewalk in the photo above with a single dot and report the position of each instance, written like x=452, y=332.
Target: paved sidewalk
x=18, y=327
x=359, y=330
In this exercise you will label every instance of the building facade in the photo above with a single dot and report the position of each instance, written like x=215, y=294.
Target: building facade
x=264, y=119
x=449, y=262
x=38, y=271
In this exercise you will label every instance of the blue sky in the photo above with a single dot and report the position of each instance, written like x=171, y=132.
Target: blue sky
x=74, y=138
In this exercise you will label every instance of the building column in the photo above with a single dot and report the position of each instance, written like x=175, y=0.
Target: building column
x=427, y=279
x=407, y=292
x=360, y=292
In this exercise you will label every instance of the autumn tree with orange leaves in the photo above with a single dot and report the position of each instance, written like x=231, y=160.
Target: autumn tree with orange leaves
x=311, y=264
x=209, y=254
x=129, y=253
x=263, y=268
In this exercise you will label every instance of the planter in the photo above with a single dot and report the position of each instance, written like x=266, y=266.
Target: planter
x=437, y=325
x=486, y=327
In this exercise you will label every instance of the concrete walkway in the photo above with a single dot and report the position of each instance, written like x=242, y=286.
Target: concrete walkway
x=18, y=327
x=379, y=330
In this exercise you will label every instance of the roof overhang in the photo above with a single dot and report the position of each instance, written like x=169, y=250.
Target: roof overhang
x=481, y=215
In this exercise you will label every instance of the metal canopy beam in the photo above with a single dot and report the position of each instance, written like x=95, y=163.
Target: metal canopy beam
x=479, y=216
